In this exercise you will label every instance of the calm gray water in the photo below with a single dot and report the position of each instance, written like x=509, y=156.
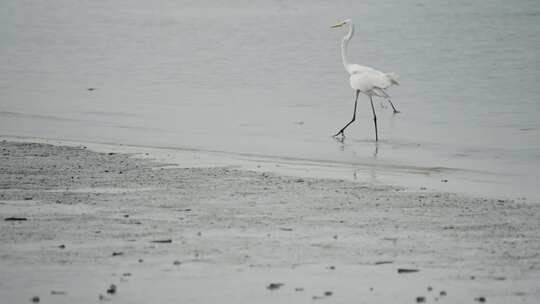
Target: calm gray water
x=265, y=78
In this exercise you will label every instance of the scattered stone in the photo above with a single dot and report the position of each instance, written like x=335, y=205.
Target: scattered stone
x=177, y=262
x=473, y=277
x=126, y=215
x=141, y=260
x=58, y=293
x=112, y=289
x=111, y=153
x=274, y=286
x=442, y=293
x=102, y=297
x=117, y=253
x=286, y=229
x=27, y=198
x=328, y=293
x=407, y=270
x=91, y=89
x=126, y=274
x=15, y=219
x=35, y=299
x=331, y=267
x=383, y=262
x=299, y=289
x=162, y=241
x=420, y=299
x=444, y=181
x=299, y=180
x=429, y=288
x=62, y=246
x=480, y=299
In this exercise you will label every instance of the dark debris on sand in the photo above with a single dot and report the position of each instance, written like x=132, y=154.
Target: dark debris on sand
x=407, y=270
x=111, y=289
x=274, y=286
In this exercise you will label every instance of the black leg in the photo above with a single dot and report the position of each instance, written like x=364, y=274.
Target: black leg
x=374, y=118
x=353, y=117
x=393, y=108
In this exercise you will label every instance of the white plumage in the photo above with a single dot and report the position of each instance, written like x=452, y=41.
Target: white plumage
x=365, y=79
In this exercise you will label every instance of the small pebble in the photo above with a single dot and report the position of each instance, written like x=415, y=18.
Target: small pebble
x=35, y=299
x=429, y=288
x=420, y=299
x=480, y=299
x=177, y=263
x=327, y=293
x=442, y=293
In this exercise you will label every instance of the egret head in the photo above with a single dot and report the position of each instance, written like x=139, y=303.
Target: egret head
x=341, y=23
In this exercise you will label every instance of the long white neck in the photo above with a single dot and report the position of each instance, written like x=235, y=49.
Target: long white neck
x=345, y=44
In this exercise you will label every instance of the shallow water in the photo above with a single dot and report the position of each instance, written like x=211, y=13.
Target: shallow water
x=265, y=78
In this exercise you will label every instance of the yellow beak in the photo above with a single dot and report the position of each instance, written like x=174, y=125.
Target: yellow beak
x=339, y=24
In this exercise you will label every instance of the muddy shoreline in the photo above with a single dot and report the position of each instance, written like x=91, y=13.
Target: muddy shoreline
x=74, y=222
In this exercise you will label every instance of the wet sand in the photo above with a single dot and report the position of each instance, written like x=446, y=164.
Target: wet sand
x=74, y=222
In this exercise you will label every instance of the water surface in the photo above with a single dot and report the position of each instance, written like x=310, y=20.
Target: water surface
x=265, y=78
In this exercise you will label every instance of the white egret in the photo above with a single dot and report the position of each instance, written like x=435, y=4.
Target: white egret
x=364, y=79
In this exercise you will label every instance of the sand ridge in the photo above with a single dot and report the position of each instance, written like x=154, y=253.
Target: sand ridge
x=95, y=219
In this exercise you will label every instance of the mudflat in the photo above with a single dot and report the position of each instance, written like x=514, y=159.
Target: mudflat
x=78, y=226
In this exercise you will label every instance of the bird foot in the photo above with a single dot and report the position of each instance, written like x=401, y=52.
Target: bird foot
x=337, y=134
x=397, y=112
x=339, y=138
